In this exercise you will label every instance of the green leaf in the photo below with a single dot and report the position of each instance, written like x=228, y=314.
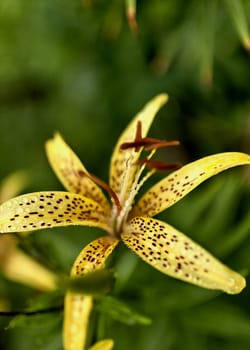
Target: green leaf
x=119, y=311
x=46, y=301
x=38, y=332
x=222, y=208
x=238, y=14
x=124, y=268
x=219, y=319
x=234, y=238
x=97, y=282
x=34, y=321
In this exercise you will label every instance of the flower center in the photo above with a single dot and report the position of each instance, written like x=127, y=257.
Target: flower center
x=139, y=176
x=142, y=170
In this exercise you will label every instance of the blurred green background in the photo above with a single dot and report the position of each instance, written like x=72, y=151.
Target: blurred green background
x=76, y=67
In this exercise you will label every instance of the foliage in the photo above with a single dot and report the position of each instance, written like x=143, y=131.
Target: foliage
x=76, y=67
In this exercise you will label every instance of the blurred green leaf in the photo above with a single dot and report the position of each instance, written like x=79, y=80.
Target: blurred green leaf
x=34, y=321
x=124, y=268
x=219, y=319
x=46, y=301
x=76, y=67
x=219, y=213
x=95, y=283
x=234, y=238
x=238, y=14
x=121, y=312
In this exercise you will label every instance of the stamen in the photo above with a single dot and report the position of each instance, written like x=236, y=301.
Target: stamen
x=161, y=143
x=105, y=186
x=137, y=184
x=137, y=141
x=138, y=135
x=159, y=165
x=148, y=143
x=134, y=144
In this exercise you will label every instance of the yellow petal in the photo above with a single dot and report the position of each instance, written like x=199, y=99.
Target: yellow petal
x=78, y=306
x=19, y=267
x=70, y=170
x=12, y=185
x=178, y=184
x=106, y=344
x=93, y=256
x=122, y=166
x=176, y=255
x=50, y=209
x=77, y=309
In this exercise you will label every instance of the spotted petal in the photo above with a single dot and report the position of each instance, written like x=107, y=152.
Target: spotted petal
x=174, y=254
x=122, y=162
x=178, y=184
x=78, y=306
x=50, y=209
x=71, y=172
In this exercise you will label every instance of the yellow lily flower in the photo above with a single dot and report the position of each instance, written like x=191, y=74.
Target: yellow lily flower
x=157, y=243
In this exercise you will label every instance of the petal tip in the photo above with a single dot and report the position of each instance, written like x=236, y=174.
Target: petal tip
x=55, y=138
x=162, y=98
x=106, y=344
x=238, y=283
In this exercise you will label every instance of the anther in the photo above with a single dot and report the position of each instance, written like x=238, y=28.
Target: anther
x=138, y=142
x=160, y=144
x=159, y=165
x=149, y=143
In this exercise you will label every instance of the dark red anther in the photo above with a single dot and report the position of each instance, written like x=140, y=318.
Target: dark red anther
x=160, y=144
x=159, y=165
x=149, y=143
x=138, y=135
x=138, y=142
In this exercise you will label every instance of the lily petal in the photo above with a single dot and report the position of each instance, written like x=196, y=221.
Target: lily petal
x=12, y=185
x=105, y=344
x=178, y=184
x=121, y=172
x=40, y=210
x=77, y=309
x=176, y=255
x=19, y=267
x=78, y=306
x=71, y=172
